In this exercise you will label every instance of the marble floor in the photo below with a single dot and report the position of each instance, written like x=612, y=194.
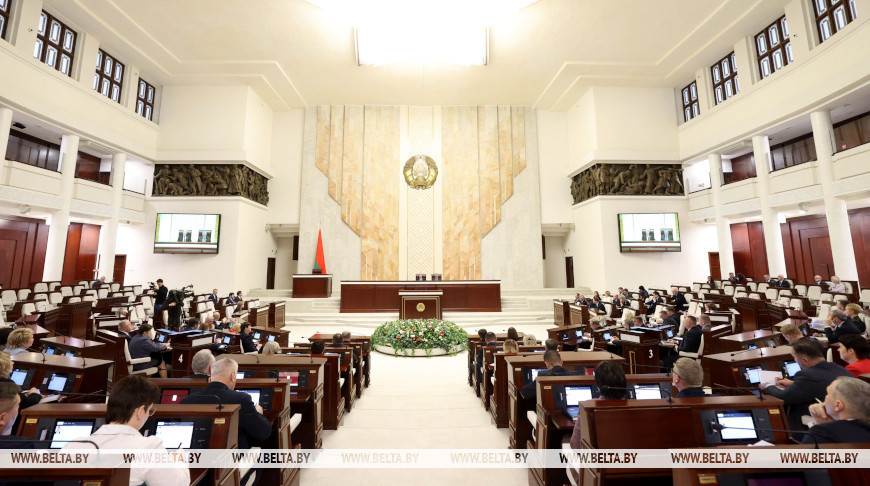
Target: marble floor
x=417, y=403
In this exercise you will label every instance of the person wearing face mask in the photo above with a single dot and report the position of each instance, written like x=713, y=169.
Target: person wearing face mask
x=129, y=406
x=844, y=417
x=143, y=346
x=9, y=401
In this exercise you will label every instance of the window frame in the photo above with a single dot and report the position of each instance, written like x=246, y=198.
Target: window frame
x=142, y=99
x=731, y=61
x=4, y=17
x=831, y=6
x=781, y=46
x=690, y=101
x=44, y=41
x=101, y=78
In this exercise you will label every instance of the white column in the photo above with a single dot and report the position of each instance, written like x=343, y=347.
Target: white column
x=769, y=216
x=109, y=231
x=59, y=223
x=5, y=126
x=723, y=228
x=845, y=266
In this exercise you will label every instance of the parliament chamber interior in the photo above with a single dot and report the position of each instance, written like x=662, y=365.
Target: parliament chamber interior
x=523, y=242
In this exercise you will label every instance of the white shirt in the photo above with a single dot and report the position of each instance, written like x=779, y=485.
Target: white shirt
x=124, y=437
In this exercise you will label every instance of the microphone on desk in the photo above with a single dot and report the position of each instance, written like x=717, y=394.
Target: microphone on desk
x=220, y=402
x=741, y=351
x=717, y=427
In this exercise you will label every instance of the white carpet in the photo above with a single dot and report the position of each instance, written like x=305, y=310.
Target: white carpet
x=417, y=403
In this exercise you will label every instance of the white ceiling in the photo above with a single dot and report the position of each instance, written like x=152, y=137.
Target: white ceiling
x=293, y=53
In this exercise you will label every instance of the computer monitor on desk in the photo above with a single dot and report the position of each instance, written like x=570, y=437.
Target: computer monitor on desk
x=736, y=426
x=22, y=377
x=67, y=430
x=181, y=431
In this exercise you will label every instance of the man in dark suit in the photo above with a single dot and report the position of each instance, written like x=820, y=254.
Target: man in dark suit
x=248, y=344
x=671, y=318
x=688, y=377
x=345, y=341
x=809, y=383
x=553, y=362
x=125, y=328
x=731, y=277
x=691, y=343
x=201, y=364
x=214, y=297
x=490, y=341
x=781, y=282
x=253, y=426
x=653, y=302
x=845, y=414
x=9, y=401
x=596, y=305
x=838, y=325
x=678, y=300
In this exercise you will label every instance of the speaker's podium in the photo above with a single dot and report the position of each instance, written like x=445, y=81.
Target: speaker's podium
x=420, y=304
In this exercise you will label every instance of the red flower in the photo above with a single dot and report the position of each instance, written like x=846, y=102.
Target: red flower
x=419, y=339
x=442, y=334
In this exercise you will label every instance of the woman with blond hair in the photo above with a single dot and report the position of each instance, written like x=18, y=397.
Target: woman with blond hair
x=18, y=341
x=529, y=340
x=510, y=347
x=836, y=285
x=271, y=347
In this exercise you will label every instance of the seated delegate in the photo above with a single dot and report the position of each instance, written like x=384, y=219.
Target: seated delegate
x=844, y=416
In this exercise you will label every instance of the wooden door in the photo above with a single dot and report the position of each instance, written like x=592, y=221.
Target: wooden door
x=120, y=269
x=270, y=273
x=715, y=270
x=569, y=272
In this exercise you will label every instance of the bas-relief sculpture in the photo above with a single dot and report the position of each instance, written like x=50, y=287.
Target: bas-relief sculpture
x=210, y=180
x=627, y=180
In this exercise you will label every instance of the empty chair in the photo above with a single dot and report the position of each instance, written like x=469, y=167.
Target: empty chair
x=729, y=290
x=823, y=311
x=40, y=287
x=786, y=292
x=55, y=298
x=772, y=294
x=696, y=287
x=801, y=289
x=115, y=286
x=796, y=304
x=23, y=294
x=814, y=292
x=693, y=309
x=826, y=297
x=74, y=300
x=77, y=289
x=753, y=286
x=8, y=297
x=849, y=288
x=209, y=305
x=84, y=283
x=42, y=306
x=28, y=308
x=53, y=285
x=148, y=305
x=865, y=297
x=716, y=291
x=704, y=286
x=608, y=308
x=137, y=289
x=91, y=292
x=40, y=296
x=739, y=293
x=103, y=292
x=762, y=286
x=783, y=300
x=88, y=298
x=66, y=290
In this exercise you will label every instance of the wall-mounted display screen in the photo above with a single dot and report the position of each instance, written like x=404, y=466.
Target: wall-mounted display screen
x=649, y=232
x=187, y=233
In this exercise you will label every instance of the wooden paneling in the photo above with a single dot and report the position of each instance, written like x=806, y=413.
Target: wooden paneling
x=120, y=269
x=859, y=222
x=457, y=296
x=22, y=251
x=80, y=257
x=807, y=248
x=747, y=242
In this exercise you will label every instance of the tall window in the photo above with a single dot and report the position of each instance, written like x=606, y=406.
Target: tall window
x=773, y=47
x=145, y=99
x=109, y=76
x=690, y=101
x=5, y=5
x=833, y=15
x=55, y=43
x=725, y=84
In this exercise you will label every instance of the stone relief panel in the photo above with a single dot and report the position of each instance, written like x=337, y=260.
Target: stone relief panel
x=627, y=180
x=210, y=180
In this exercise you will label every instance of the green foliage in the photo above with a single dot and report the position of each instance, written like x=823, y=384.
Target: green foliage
x=425, y=334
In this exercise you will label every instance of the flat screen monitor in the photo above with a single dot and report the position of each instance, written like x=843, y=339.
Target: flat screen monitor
x=49, y=350
x=161, y=338
x=578, y=333
x=577, y=394
x=752, y=346
x=187, y=233
x=271, y=337
x=535, y=373
x=254, y=394
x=227, y=339
x=57, y=383
x=292, y=377
x=173, y=396
x=754, y=374
x=647, y=392
x=605, y=336
x=19, y=377
x=240, y=375
x=257, y=335
x=740, y=420
x=175, y=434
x=649, y=232
x=792, y=368
x=67, y=430
x=670, y=333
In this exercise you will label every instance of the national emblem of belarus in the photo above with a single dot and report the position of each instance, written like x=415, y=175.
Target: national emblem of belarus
x=420, y=172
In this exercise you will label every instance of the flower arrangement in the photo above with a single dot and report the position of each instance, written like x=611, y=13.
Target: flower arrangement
x=407, y=336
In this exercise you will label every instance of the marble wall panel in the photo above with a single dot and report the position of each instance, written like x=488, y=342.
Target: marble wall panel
x=490, y=194
x=380, y=200
x=518, y=139
x=505, y=152
x=461, y=193
x=336, y=151
x=352, y=167
x=321, y=149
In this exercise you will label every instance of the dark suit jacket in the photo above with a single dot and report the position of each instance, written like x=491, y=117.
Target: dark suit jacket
x=680, y=303
x=809, y=384
x=672, y=320
x=142, y=347
x=598, y=305
x=859, y=324
x=691, y=340
x=782, y=284
x=846, y=327
x=247, y=340
x=691, y=392
x=214, y=298
x=528, y=391
x=652, y=304
x=839, y=431
x=26, y=400
x=253, y=426
x=126, y=335
x=17, y=442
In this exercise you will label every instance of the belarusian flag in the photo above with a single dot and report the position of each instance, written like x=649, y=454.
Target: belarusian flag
x=319, y=260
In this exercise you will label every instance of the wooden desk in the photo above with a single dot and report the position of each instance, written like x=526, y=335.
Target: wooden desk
x=38, y=422
x=744, y=340
x=333, y=401
x=521, y=429
x=561, y=312
x=80, y=347
x=458, y=295
x=755, y=313
x=307, y=395
x=259, y=316
x=420, y=304
x=312, y=286
x=184, y=347
x=277, y=314
x=579, y=314
x=499, y=408
x=727, y=369
x=365, y=343
x=82, y=375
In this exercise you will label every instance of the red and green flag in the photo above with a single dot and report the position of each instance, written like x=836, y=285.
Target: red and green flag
x=319, y=260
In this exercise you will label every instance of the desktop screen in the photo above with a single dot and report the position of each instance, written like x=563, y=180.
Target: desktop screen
x=753, y=374
x=227, y=339
x=670, y=333
x=290, y=376
x=175, y=434
x=741, y=419
x=257, y=335
x=67, y=430
x=647, y=392
x=535, y=373
x=240, y=375
x=49, y=350
x=57, y=383
x=605, y=336
x=271, y=337
x=792, y=368
x=173, y=396
x=255, y=395
x=577, y=394
x=18, y=376
x=161, y=338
